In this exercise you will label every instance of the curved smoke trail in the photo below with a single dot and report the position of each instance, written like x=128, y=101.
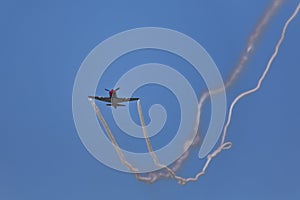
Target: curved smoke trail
x=170, y=172
x=244, y=58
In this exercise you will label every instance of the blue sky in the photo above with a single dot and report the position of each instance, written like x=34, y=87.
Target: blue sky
x=43, y=45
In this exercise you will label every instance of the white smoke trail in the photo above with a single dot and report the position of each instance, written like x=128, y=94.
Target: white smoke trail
x=226, y=145
x=242, y=95
x=151, y=177
x=112, y=138
x=250, y=45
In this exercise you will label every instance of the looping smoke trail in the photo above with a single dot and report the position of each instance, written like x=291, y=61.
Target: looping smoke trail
x=225, y=145
x=254, y=36
x=242, y=95
x=151, y=177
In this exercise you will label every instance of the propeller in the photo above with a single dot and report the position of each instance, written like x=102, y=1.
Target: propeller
x=106, y=89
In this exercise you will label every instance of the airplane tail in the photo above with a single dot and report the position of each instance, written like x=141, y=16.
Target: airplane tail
x=115, y=105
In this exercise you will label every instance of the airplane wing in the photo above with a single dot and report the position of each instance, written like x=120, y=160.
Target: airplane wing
x=106, y=99
x=127, y=99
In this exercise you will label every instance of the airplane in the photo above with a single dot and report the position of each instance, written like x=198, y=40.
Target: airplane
x=113, y=99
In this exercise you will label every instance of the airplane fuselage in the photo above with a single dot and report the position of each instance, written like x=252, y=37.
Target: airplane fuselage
x=113, y=100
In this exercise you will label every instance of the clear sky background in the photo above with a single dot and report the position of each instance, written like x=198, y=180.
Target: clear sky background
x=42, y=46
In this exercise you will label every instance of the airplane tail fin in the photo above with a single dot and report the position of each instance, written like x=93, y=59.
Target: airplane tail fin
x=115, y=105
